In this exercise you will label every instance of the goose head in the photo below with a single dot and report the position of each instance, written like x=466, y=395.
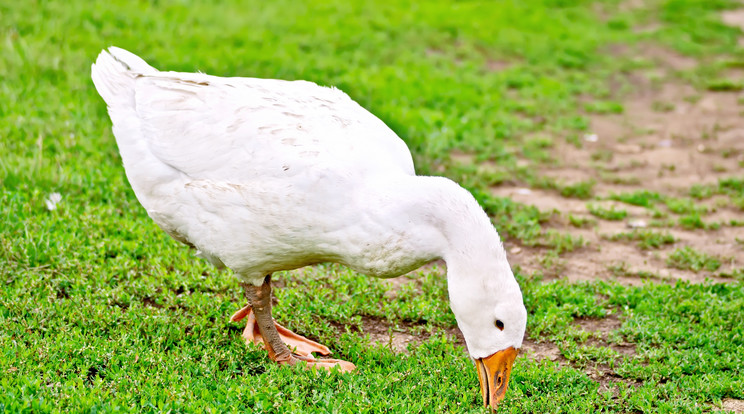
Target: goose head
x=490, y=312
x=484, y=295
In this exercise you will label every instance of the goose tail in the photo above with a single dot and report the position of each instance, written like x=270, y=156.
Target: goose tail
x=114, y=73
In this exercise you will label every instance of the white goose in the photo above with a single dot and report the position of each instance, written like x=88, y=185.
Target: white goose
x=265, y=175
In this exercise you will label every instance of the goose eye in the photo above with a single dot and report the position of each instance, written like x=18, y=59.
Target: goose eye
x=499, y=324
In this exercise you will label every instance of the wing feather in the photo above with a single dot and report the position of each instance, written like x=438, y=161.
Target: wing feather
x=237, y=129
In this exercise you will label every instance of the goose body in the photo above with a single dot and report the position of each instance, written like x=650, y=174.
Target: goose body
x=264, y=175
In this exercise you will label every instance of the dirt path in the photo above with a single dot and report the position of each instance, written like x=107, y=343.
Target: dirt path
x=669, y=138
x=697, y=138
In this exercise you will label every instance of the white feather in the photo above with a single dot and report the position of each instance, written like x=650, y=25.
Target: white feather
x=265, y=175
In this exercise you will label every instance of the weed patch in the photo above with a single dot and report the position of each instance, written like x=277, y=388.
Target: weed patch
x=687, y=258
x=607, y=214
x=647, y=239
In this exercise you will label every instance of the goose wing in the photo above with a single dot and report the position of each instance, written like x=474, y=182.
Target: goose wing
x=236, y=129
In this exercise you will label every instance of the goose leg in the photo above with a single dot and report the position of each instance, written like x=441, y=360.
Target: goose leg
x=261, y=328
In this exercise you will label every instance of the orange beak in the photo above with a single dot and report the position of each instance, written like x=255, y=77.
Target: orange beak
x=493, y=374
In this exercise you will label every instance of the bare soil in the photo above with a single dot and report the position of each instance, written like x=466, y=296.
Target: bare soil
x=380, y=333
x=669, y=138
x=732, y=404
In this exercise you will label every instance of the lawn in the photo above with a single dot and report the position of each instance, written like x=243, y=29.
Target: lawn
x=603, y=138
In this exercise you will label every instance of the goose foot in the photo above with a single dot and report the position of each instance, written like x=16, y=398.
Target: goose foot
x=277, y=340
x=299, y=345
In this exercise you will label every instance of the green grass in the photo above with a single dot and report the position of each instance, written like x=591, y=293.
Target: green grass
x=647, y=239
x=100, y=311
x=578, y=221
x=563, y=242
x=732, y=186
x=643, y=198
x=719, y=85
x=582, y=190
x=695, y=221
x=738, y=202
x=687, y=258
x=607, y=213
x=684, y=206
x=604, y=107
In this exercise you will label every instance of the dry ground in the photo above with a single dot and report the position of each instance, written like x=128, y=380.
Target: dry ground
x=697, y=138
